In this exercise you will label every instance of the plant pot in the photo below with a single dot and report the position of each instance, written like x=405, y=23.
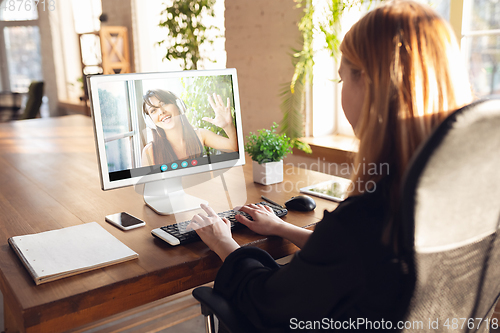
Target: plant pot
x=268, y=173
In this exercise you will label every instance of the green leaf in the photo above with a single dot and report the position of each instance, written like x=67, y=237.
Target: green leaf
x=305, y=147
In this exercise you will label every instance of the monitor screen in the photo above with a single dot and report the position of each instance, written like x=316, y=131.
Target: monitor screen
x=155, y=126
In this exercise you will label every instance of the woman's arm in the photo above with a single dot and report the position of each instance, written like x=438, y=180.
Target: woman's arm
x=294, y=234
x=212, y=140
x=147, y=158
x=265, y=222
x=224, y=120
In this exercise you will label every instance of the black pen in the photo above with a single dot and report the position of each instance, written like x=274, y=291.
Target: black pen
x=271, y=202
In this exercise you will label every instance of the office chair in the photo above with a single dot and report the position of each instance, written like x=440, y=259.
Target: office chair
x=35, y=96
x=451, y=213
x=213, y=304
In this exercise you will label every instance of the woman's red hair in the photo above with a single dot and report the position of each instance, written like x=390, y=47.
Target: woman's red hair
x=413, y=77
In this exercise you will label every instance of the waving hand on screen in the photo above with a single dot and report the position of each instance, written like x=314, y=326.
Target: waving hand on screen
x=223, y=117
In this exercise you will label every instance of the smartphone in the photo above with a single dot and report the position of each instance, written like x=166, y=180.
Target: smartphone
x=125, y=221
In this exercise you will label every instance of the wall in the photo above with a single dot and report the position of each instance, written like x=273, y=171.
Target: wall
x=260, y=35
x=120, y=14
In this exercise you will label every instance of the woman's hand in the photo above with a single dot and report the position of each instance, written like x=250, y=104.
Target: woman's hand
x=223, y=117
x=214, y=231
x=265, y=222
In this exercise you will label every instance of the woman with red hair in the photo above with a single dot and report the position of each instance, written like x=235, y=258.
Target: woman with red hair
x=401, y=76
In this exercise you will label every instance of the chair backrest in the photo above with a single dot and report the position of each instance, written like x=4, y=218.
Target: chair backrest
x=35, y=95
x=451, y=212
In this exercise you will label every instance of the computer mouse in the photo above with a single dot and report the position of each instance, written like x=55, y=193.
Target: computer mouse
x=302, y=203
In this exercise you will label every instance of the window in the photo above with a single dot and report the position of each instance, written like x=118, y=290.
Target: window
x=481, y=45
x=20, y=55
x=122, y=135
x=475, y=22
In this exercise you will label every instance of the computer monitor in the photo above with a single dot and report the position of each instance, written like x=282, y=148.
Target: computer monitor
x=155, y=128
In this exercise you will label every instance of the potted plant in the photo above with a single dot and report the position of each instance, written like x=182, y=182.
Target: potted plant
x=267, y=150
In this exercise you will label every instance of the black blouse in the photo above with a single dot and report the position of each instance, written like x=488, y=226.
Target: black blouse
x=342, y=273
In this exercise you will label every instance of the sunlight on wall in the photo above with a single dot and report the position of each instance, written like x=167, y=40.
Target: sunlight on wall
x=86, y=15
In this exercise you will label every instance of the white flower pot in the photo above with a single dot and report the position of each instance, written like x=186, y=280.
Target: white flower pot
x=268, y=173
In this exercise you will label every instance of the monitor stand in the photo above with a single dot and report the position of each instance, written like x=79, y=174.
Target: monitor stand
x=167, y=197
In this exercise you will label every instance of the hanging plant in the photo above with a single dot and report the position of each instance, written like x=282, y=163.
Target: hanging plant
x=294, y=93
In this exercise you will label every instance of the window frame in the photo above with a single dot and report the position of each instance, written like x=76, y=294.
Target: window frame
x=133, y=132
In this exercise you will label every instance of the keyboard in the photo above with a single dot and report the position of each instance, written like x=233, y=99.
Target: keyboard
x=176, y=234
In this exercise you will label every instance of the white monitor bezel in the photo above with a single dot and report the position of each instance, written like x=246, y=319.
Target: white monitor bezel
x=106, y=184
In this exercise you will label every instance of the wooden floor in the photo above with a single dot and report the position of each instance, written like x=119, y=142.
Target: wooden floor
x=153, y=317
x=179, y=313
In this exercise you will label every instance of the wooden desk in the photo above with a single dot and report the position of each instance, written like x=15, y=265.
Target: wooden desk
x=49, y=180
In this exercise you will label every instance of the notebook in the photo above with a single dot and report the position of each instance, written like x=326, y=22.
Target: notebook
x=60, y=253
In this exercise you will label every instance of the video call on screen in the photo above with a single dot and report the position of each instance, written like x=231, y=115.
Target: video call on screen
x=127, y=134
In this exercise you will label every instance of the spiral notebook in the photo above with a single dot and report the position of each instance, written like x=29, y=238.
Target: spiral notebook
x=60, y=253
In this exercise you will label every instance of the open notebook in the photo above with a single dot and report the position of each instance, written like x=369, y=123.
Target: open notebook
x=56, y=254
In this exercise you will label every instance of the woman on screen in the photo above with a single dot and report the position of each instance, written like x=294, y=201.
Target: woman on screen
x=402, y=76
x=174, y=138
